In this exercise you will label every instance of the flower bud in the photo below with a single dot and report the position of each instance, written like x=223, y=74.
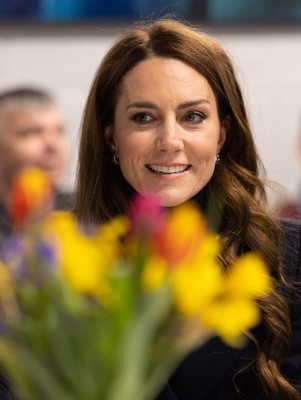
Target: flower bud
x=31, y=196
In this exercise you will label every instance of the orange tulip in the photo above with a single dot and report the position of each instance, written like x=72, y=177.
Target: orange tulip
x=181, y=235
x=31, y=196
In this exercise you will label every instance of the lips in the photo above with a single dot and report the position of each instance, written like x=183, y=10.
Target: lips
x=175, y=169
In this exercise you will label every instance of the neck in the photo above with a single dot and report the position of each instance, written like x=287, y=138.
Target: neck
x=201, y=198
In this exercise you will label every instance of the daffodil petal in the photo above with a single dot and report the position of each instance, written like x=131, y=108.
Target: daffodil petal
x=154, y=273
x=249, y=276
x=196, y=285
x=231, y=317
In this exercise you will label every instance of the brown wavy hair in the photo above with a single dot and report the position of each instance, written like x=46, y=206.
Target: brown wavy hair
x=237, y=194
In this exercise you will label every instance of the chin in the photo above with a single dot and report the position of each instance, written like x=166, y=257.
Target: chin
x=171, y=198
x=55, y=178
x=171, y=202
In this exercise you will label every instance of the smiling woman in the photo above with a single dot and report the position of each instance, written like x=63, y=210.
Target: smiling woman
x=166, y=116
x=166, y=140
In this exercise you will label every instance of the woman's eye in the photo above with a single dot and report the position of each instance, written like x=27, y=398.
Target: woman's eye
x=142, y=117
x=195, y=117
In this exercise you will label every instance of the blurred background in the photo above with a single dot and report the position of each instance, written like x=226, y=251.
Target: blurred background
x=57, y=45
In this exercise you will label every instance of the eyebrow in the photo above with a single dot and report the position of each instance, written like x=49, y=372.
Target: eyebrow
x=142, y=104
x=193, y=103
x=145, y=104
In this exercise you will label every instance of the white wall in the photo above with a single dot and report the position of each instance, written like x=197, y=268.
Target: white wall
x=64, y=60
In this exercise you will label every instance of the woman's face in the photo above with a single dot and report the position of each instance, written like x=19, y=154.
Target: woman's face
x=166, y=130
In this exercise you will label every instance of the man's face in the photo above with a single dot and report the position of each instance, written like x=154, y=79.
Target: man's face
x=34, y=137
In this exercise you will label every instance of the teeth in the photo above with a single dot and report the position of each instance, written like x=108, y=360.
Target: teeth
x=168, y=170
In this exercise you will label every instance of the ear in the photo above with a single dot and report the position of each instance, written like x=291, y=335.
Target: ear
x=224, y=129
x=109, y=137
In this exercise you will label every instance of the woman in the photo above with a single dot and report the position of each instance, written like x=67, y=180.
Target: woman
x=165, y=115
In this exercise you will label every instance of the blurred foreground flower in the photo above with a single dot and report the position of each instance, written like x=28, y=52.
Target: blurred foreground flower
x=108, y=314
x=30, y=196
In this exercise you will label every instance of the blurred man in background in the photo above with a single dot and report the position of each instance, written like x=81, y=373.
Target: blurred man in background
x=290, y=207
x=32, y=134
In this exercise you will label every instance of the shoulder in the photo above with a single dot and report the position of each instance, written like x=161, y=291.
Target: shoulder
x=64, y=200
x=290, y=210
x=5, y=227
x=292, y=268
x=292, y=255
x=6, y=391
x=290, y=225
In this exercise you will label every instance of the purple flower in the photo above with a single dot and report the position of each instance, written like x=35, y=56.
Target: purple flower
x=12, y=254
x=11, y=249
x=46, y=253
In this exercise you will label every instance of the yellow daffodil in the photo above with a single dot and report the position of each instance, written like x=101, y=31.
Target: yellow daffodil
x=79, y=257
x=85, y=258
x=196, y=285
x=230, y=317
x=233, y=308
x=154, y=273
x=249, y=276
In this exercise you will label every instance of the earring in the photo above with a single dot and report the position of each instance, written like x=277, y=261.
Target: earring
x=115, y=159
x=217, y=159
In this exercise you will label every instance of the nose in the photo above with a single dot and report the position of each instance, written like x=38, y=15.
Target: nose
x=52, y=140
x=169, y=136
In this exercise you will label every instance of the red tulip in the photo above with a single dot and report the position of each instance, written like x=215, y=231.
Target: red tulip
x=31, y=196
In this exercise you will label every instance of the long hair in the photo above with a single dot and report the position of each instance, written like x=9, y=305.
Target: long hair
x=236, y=191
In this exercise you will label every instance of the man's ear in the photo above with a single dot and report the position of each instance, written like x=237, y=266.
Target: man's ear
x=109, y=137
x=224, y=129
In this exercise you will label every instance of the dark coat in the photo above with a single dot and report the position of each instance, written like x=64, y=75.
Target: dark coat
x=207, y=373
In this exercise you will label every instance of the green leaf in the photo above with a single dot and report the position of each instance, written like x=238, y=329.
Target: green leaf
x=134, y=357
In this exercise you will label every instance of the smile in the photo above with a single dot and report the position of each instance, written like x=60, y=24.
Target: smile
x=159, y=169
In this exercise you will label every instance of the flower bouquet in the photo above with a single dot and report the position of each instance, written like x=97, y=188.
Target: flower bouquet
x=108, y=312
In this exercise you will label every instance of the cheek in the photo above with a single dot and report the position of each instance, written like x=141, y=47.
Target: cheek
x=205, y=150
x=29, y=150
x=132, y=155
x=131, y=147
x=63, y=149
